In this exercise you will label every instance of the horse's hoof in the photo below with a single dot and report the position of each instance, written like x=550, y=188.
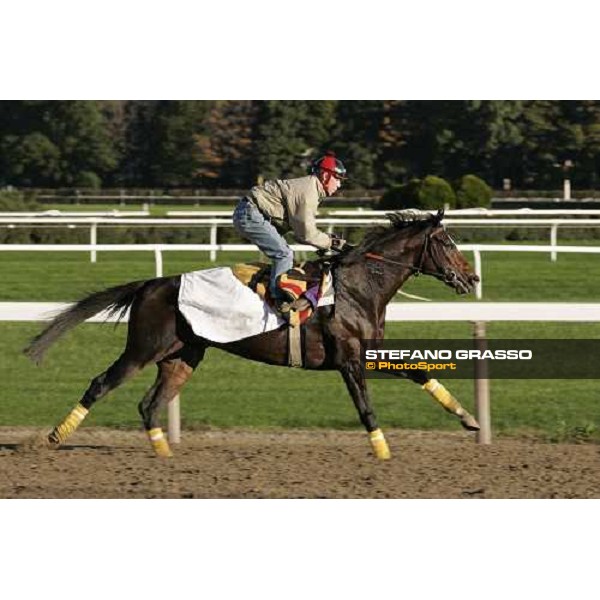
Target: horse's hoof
x=52, y=441
x=162, y=449
x=469, y=423
x=164, y=454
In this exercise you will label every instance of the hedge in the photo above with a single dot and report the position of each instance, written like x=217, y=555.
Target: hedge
x=15, y=201
x=429, y=193
x=472, y=192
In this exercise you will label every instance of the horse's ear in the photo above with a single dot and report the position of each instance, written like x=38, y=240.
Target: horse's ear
x=439, y=216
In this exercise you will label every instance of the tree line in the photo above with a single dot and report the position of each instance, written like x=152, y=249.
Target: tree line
x=233, y=144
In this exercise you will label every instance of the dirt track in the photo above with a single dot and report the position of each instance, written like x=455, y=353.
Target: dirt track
x=101, y=463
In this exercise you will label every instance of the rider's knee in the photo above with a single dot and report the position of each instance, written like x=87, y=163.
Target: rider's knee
x=287, y=253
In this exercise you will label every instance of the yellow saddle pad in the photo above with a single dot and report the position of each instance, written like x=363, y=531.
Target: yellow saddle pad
x=254, y=275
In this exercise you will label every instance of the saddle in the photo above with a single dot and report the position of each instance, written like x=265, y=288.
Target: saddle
x=300, y=286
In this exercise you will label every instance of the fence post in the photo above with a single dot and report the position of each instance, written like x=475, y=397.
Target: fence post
x=158, y=261
x=567, y=188
x=479, y=284
x=213, y=241
x=482, y=387
x=174, y=421
x=553, y=241
x=173, y=412
x=93, y=241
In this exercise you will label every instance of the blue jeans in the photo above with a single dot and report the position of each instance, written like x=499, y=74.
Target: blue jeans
x=253, y=226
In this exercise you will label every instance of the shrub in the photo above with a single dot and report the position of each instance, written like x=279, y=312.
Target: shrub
x=436, y=193
x=88, y=179
x=429, y=193
x=471, y=191
x=13, y=200
x=396, y=197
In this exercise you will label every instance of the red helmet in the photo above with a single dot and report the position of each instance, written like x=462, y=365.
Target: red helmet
x=330, y=164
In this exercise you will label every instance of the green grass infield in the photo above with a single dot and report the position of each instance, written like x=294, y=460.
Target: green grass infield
x=227, y=391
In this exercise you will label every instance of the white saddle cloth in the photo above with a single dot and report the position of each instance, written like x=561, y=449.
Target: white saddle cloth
x=220, y=308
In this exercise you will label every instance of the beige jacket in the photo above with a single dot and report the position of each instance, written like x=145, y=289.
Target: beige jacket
x=292, y=204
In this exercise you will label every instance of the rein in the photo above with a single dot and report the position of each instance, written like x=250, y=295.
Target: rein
x=448, y=275
x=416, y=269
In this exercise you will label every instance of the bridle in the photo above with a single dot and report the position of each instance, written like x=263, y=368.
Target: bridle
x=448, y=274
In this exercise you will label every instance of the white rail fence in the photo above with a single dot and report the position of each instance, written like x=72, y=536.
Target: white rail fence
x=481, y=212
x=330, y=223
x=158, y=249
x=475, y=312
x=77, y=214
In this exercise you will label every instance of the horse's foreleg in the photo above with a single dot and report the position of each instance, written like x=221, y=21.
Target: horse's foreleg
x=172, y=375
x=123, y=368
x=439, y=393
x=355, y=382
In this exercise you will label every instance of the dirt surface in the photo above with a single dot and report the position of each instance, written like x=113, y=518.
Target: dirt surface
x=103, y=463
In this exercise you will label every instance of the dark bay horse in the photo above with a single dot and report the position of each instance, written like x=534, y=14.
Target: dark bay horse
x=366, y=278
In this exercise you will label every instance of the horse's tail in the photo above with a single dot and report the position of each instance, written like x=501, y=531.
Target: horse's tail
x=114, y=299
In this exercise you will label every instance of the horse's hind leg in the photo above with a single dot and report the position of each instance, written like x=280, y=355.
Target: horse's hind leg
x=173, y=372
x=123, y=368
x=151, y=336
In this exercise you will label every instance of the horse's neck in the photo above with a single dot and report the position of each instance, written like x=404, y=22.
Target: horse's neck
x=400, y=261
x=374, y=283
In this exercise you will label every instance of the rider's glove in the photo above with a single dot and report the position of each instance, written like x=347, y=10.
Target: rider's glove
x=337, y=243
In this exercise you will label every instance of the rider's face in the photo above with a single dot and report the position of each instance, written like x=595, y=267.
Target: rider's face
x=331, y=184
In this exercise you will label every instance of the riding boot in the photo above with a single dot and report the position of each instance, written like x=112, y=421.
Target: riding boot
x=300, y=304
x=282, y=302
x=283, y=306
x=291, y=312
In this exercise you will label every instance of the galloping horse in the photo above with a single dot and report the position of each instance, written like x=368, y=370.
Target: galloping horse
x=366, y=278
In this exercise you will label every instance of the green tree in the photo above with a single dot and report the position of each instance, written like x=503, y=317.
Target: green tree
x=78, y=128
x=161, y=145
x=581, y=138
x=29, y=160
x=290, y=133
x=225, y=148
x=356, y=139
x=541, y=148
x=54, y=143
x=115, y=124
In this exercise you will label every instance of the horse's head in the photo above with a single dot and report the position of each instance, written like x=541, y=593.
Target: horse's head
x=439, y=255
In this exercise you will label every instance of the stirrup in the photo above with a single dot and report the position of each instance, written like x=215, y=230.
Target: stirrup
x=290, y=312
x=300, y=304
x=283, y=306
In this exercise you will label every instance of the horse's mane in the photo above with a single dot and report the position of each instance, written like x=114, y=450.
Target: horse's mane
x=378, y=237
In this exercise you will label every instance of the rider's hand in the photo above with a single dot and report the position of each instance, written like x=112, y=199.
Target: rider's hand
x=337, y=243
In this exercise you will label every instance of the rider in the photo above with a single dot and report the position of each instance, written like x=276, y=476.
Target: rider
x=278, y=206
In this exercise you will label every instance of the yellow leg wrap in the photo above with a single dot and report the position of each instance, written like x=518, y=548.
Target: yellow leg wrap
x=159, y=442
x=444, y=397
x=379, y=445
x=70, y=423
